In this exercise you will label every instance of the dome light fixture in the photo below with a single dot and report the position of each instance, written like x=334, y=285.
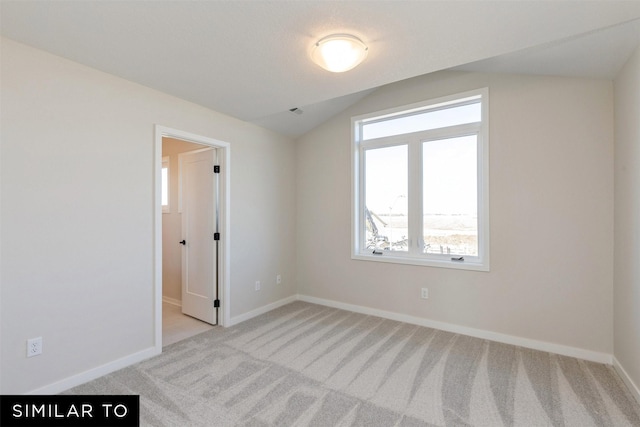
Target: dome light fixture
x=339, y=52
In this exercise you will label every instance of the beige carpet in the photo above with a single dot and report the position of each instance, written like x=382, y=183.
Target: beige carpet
x=309, y=365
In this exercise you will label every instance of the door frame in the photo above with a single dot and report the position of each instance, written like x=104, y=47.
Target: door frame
x=224, y=211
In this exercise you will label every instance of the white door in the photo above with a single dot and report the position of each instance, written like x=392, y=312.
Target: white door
x=199, y=255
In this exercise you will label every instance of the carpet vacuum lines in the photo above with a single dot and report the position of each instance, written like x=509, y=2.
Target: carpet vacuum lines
x=309, y=365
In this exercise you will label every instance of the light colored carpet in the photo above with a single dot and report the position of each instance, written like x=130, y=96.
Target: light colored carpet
x=309, y=365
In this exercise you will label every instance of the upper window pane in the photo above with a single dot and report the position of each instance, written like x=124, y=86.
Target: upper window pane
x=450, y=196
x=386, y=198
x=430, y=119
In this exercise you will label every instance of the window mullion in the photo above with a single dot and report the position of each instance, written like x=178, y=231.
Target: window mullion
x=361, y=200
x=415, y=198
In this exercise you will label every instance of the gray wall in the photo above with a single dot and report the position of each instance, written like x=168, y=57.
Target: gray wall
x=551, y=203
x=77, y=214
x=627, y=220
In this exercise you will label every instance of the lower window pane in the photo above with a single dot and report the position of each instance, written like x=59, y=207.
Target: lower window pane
x=386, y=198
x=450, y=196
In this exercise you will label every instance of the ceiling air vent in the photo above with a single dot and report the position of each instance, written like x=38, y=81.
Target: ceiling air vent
x=296, y=111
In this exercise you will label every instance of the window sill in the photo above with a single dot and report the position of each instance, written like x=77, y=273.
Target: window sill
x=456, y=265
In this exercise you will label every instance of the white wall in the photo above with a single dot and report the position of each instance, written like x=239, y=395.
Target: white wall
x=77, y=214
x=551, y=202
x=627, y=220
x=172, y=221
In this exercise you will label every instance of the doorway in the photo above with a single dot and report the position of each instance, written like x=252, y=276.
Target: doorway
x=191, y=234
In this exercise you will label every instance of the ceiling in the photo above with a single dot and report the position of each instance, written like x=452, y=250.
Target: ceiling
x=250, y=60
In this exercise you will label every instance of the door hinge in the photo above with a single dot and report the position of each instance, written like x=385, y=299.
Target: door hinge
x=216, y=303
x=216, y=236
x=216, y=168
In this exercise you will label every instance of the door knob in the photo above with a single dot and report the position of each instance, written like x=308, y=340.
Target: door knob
x=183, y=242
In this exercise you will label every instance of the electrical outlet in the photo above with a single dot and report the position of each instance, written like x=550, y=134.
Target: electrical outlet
x=257, y=285
x=424, y=293
x=278, y=279
x=34, y=346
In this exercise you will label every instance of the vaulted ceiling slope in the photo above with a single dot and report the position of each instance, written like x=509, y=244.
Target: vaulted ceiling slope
x=251, y=59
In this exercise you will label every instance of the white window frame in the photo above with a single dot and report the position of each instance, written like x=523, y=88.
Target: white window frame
x=167, y=164
x=415, y=255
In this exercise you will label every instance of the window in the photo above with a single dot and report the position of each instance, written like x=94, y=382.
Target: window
x=420, y=175
x=165, y=185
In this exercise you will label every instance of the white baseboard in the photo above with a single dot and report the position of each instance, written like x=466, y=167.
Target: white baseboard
x=172, y=301
x=94, y=373
x=579, y=353
x=107, y=368
x=633, y=388
x=258, y=311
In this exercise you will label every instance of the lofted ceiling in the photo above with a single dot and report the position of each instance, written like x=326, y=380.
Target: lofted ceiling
x=250, y=60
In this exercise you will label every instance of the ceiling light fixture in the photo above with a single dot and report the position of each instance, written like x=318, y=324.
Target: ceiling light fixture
x=339, y=52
